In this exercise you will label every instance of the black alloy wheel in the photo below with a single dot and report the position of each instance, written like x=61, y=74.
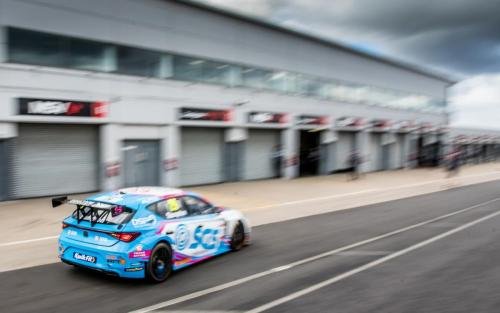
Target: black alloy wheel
x=238, y=238
x=159, y=266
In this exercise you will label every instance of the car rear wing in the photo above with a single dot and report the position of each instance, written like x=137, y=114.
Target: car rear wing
x=96, y=211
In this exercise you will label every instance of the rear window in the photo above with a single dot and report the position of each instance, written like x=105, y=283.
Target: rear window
x=116, y=216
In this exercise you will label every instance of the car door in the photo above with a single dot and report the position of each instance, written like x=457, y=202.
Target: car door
x=207, y=228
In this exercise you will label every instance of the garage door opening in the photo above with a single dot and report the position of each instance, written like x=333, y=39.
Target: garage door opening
x=309, y=153
x=263, y=154
x=141, y=162
x=201, y=160
x=55, y=159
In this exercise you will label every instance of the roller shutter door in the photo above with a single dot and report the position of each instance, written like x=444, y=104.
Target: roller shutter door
x=344, y=146
x=201, y=156
x=55, y=159
x=258, y=151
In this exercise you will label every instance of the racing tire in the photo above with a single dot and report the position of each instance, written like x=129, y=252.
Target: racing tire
x=159, y=266
x=238, y=237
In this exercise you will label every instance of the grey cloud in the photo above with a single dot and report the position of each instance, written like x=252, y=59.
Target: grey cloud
x=460, y=36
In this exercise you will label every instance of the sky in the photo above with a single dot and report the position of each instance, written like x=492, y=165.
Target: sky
x=460, y=38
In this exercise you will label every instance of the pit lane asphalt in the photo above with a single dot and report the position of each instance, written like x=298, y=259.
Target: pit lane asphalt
x=460, y=273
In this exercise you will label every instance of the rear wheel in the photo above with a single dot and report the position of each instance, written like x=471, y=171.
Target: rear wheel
x=238, y=238
x=160, y=263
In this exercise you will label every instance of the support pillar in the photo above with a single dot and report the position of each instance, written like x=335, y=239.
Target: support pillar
x=111, y=171
x=290, y=140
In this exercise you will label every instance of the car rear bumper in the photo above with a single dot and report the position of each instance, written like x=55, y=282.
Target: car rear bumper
x=112, y=260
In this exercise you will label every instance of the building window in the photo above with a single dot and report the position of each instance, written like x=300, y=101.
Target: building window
x=140, y=62
x=194, y=69
x=256, y=78
x=86, y=55
x=29, y=47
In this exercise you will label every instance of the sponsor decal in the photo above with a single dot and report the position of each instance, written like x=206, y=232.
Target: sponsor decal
x=207, y=238
x=144, y=221
x=182, y=237
x=84, y=257
x=266, y=118
x=170, y=164
x=139, y=254
x=112, y=169
x=53, y=107
x=191, y=114
x=100, y=239
x=134, y=269
x=312, y=120
x=71, y=232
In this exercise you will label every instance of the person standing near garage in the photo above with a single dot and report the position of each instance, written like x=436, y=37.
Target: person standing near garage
x=354, y=161
x=277, y=160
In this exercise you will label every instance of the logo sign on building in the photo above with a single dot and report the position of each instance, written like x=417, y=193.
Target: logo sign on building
x=266, y=118
x=191, y=114
x=350, y=121
x=32, y=106
x=404, y=126
x=312, y=120
x=380, y=124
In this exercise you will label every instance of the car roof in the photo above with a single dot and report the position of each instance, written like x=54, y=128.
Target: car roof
x=134, y=197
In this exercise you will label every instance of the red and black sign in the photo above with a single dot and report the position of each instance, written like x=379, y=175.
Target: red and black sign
x=32, y=106
x=350, y=121
x=189, y=114
x=312, y=120
x=381, y=124
x=266, y=118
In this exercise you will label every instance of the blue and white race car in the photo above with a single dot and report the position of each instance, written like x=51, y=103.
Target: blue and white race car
x=147, y=232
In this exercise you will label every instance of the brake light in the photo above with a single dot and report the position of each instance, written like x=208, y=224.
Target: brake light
x=64, y=225
x=126, y=237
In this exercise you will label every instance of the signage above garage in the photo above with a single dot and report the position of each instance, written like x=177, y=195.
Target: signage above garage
x=312, y=120
x=350, y=122
x=267, y=118
x=191, y=114
x=33, y=106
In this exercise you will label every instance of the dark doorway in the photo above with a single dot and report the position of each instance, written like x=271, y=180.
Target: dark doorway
x=309, y=153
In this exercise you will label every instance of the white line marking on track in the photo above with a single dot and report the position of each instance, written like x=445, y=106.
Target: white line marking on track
x=316, y=199
x=201, y=293
x=20, y=242
x=367, y=266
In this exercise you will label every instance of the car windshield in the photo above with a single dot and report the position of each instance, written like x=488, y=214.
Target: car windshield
x=115, y=216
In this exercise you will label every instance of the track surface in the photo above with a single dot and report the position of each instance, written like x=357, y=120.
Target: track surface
x=458, y=273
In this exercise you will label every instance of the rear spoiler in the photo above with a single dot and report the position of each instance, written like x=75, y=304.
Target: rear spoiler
x=98, y=210
x=91, y=204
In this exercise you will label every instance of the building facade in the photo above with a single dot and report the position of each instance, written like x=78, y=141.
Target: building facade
x=104, y=94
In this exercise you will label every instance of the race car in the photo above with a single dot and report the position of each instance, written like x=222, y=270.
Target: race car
x=147, y=232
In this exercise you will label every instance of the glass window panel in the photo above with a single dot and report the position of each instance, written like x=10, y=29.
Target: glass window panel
x=215, y=72
x=187, y=68
x=256, y=78
x=308, y=86
x=31, y=47
x=278, y=81
x=134, y=61
x=86, y=55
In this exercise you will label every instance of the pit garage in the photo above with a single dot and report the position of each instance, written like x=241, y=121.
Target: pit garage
x=345, y=144
x=258, y=155
x=201, y=160
x=55, y=159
